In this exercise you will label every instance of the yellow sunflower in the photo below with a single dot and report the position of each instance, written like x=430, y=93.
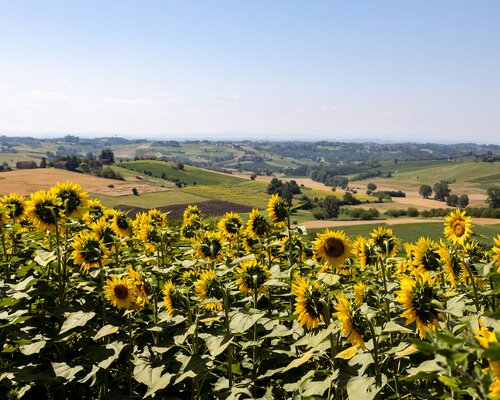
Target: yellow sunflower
x=104, y=232
x=157, y=218
x=121, y=224
x=426, y=254
x=190, y=226
x=458, y=227
x=190, y=211
x=95, y=211
x=359, y=293
x=386, y=242
x=353, y=323
x=496, y=251
x=136, y=278
x=173, y=298
x=278, y=211
x=209, y=246
x=209, y=287
x=121, y=292
x=14, y=205
x=230, y=225
x=249, y=242
x=252, y=275
x=332, y=247
x=364, y=251
x=43, y=210
x=298, y=246
x=484, y=337
x=257, y=225
x=308, y=305
x=150, y=236
x=72, y=197
x=88, y=250
x=452, y=263
x=419, y=297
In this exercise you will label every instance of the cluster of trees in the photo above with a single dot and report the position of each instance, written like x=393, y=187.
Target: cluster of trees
x=285, y=189
x=442, y=192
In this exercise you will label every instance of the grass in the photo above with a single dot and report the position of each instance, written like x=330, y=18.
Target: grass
x=152, y=200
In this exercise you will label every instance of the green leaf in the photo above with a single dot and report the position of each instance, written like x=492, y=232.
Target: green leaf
x=75, y=319
x=63, y=370
x=105, y=331
x=451, y=382
x=216, y=344
x=242, y=322
x=318, y=388
x=115, y=348
x=33, y=348
x=158, y=382
x=393, y=327
x=43, y=257
x=90, y=375
x=364, y=387
x=329, y=279
x=299, y=361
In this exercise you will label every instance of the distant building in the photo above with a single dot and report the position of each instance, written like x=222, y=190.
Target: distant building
x=26, y=165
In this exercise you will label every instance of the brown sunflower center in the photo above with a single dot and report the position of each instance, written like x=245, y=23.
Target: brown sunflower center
x=458, y=229
x=121, y=291
x=334, y=247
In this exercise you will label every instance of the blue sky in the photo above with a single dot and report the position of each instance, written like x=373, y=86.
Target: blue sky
x=338, y=70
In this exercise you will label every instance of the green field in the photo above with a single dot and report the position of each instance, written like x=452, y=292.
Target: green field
x=152, y=200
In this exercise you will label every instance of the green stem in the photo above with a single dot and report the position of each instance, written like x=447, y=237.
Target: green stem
x=228, y=333
x=131, y=350
x=386, y=296
x=493, y=299
x=474, y=287
x=375, y=350
x=255, y=335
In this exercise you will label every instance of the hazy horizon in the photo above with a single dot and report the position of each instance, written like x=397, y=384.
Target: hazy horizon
x=385, y=71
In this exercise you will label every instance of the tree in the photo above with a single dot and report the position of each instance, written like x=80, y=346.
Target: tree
x=350, y=199
x=135, y=191
x=371, y=186
x=463, y=201
x=493, y=197
x=452, y=200
x=43, y=163
x=331, y=205
x=441, y=191
x=425, y=191
x=180, y=165
x=107, y=156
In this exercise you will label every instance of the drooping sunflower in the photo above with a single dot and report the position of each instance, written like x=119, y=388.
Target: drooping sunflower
x=43, y=210
x=418, y=295
x=209, y=287
x=88, y=250
x=209, y=246
x=308, y=305
x=496, y=251
x=252, y=275
x=426, y=254
x=230, y=225
x=121, y=292
x=14, y=205
x=173, y=298
x=359, y=293
x=104, y=232
x=364, y=251
x=386, y=242
x=452, y=263
x=190, y=211
x=278, y=211
x=354, y=325
x=72, y=197
x=458, y=227
x=140, y=288
x=190, y=226
x=332, y=247
x=157, y=218
x=95, y=211
x=249, y=242
x=257, y=225
x=121, y=224
x=150, y=235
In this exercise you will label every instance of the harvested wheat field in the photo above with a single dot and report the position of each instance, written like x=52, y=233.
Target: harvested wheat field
x=26, y=181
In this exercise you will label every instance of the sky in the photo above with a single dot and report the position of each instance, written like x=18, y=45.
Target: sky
x=387, y=70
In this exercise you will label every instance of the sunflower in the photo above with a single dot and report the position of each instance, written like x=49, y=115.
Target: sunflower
x=484, y=337
x=88, y=250
x=209, y=287
x=140, y=288
x=173, y=298
x=307, y=302
x=190, y=227
x=419, y=297
x=365, y=253
x=104, y=232
x=278, y=211
x=150, y=235
x=385, y=241
x=209, y=246
x=252, y=275
x=43, y=209
x=230, y=225
x=14, y=205
x=333, y=247
x=426, y=253
x=298, y=246
x=95, y=211
x=452, y=263
x=458, y=227
x=257, y=225
x=496, y=251
x=157, y=218
x=249, y=242
x=190, y=211
x=121, y=224
x=353, y=323
x=121, y=292
x=359, y=293
x=72, y=197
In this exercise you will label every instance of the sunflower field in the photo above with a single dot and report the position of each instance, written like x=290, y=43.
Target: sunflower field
x=96, y=305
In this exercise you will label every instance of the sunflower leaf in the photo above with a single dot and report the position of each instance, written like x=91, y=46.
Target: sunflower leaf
x=63, y=370
x=75, y=319
x=364, y=387
x=105, y=331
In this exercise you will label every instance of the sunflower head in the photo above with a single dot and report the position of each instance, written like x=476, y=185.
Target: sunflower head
x=95, y=211
x=298, y=246
x=458, y=227
x=121, y=292
x=332, y=247
x=43, y=209
x=365, y=252
x=309, y=305
x=72, y=197
x=210, y=287
x=252, y=276
x=496, y=251
x=418, y=295
x=386, y=242
x=426, y=254
x=230, y=225
x=140, y=289
x=257, y=225
x=278, y=211
x=209, y=246
x=451, y=260
x=354, y=324
x=104, y=232
x=190, y=211
x=157, y=218
x=88, y=250
x=14, y=206
x=174, y=300
x=190, y=227
x=121, y=224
